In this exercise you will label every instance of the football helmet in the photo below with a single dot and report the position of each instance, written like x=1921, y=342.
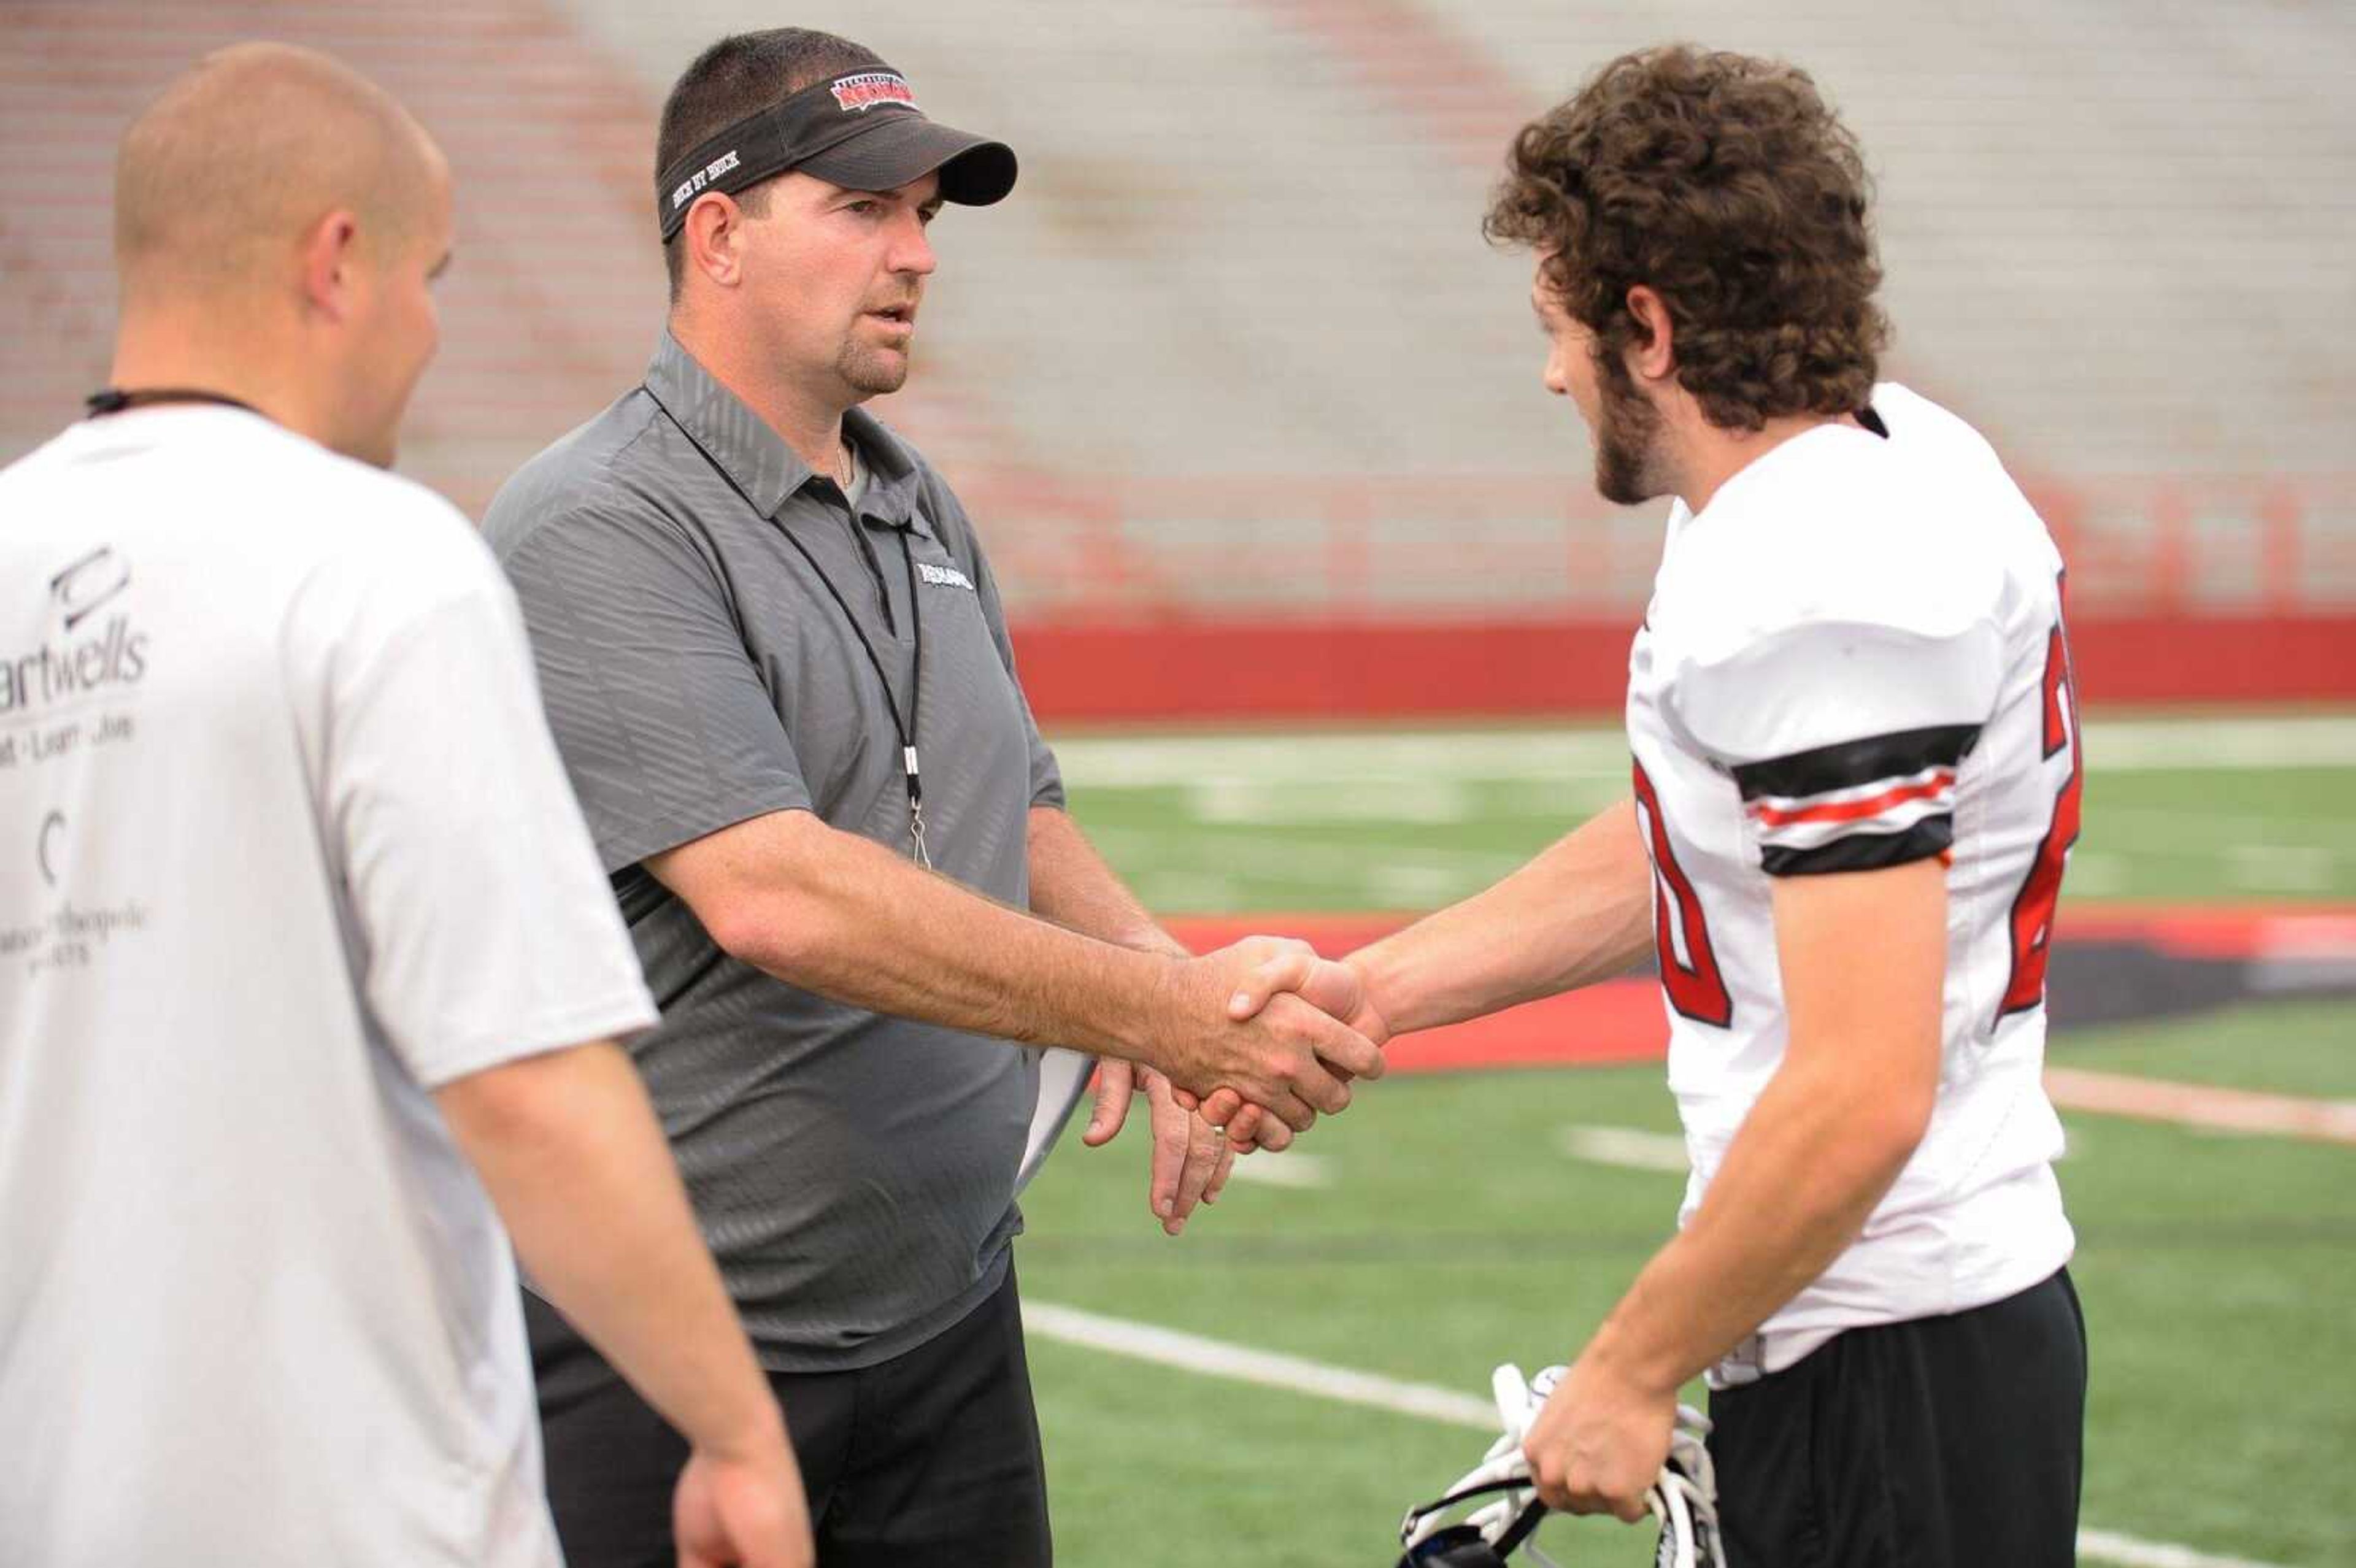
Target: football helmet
x=1683, y=1499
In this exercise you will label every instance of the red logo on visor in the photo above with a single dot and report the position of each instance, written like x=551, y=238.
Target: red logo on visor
x=865, y=92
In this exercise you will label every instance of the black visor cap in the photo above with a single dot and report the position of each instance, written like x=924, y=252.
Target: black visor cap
x=892, y=153
x=862, y=131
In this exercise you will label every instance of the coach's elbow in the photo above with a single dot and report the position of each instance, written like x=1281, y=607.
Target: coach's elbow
x=777, y=933
x=773, y=901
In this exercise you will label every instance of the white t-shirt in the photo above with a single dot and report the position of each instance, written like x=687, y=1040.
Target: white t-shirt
x=283, y=844
x=1854, y=657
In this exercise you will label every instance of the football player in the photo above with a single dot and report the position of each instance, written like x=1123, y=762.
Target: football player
x=1855, y=782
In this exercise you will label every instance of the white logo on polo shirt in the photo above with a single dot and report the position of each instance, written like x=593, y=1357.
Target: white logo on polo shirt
x=944, y=576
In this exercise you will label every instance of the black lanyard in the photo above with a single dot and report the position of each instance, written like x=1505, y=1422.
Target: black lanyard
x=905, y=730
x=114, y=400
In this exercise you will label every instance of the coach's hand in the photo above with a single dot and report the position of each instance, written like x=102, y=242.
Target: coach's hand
x=1330, y=985
x=742, y=1509
x=1190, y=1158
x=1290, y=1057
x=1598, y=1443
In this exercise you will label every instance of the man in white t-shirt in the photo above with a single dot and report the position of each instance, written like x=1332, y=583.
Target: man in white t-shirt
x=1856, y=784
x=308, y=977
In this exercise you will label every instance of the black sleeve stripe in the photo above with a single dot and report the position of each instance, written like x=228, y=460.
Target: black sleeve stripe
x=1855, y=762
x=1862, y=851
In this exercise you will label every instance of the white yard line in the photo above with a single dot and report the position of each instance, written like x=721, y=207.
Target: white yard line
x=1256, y=855
x=1265, y=1369
x=2288, y=740
x=2110, y=1546
x=1626, y=1146
x=1319, y=756
x=1371, y=1391
x=2202, y=1105
x=1175, y=889
x=1416, y=886
x=2280, y=867
x=2094, y=874
x=1225, y=798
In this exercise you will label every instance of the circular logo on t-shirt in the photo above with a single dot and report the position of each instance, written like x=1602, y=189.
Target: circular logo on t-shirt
x=49, y=847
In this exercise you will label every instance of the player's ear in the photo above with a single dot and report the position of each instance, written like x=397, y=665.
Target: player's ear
x=1655, y=356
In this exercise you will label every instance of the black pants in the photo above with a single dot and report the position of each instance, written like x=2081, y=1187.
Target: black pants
x=929, y=1460
x=1943, y=1442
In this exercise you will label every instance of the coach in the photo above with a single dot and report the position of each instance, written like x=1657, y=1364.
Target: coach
x=774, y=658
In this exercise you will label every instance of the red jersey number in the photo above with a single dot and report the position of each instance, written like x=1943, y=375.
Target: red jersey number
x=1694, y=985
x=2033, y=912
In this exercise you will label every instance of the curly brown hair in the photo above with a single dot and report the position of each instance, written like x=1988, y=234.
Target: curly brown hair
x=1727, y=185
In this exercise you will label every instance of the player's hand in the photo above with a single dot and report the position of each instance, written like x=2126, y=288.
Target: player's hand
x=1191, y=1160
x=746, y=1509
x=1331, y=986
x=1598, y=1443
x=1291, y=1059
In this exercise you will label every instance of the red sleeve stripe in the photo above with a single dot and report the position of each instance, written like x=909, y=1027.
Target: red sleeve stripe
x=1939, y=783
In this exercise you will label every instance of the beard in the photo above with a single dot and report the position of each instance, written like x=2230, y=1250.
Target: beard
x=870, y=371
x=1628, y=469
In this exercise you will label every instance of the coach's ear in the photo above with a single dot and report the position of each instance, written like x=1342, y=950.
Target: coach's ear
x=714, y=238
x=1656, y=358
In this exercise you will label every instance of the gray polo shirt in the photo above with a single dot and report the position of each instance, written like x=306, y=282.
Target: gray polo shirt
x=854, y=1172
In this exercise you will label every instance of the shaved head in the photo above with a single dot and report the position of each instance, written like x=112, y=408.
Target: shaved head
x=221, y=178
x=279, y=223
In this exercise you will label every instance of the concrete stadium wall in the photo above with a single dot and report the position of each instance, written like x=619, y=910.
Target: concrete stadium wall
x=1259, y=436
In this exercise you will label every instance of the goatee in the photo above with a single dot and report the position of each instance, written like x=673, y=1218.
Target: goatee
x=869, y=372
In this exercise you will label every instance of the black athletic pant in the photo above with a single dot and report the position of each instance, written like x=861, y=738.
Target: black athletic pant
x=1943, y=1442
x=929, y=1460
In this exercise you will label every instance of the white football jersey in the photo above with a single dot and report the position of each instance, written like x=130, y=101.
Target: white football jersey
x=1854, y=657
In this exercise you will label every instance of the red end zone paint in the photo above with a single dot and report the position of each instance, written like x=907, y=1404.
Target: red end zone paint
x=1621, y=1020
x=2208, y=930
x=1182, y=668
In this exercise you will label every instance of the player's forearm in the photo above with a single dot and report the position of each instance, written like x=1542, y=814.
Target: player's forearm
x=1829, y=1134
x=1072, y=885
x=1815, y=1155
x=841, y=915
x=571, y=1153
x=1581, y=911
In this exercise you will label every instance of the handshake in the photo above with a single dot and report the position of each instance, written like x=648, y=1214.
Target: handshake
x=1261, y=1037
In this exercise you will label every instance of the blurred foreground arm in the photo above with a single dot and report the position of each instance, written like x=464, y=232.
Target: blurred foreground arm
x=570, y=1152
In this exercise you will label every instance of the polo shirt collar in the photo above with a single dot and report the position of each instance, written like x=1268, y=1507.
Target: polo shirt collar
x=891, y=472
x=757, y=457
